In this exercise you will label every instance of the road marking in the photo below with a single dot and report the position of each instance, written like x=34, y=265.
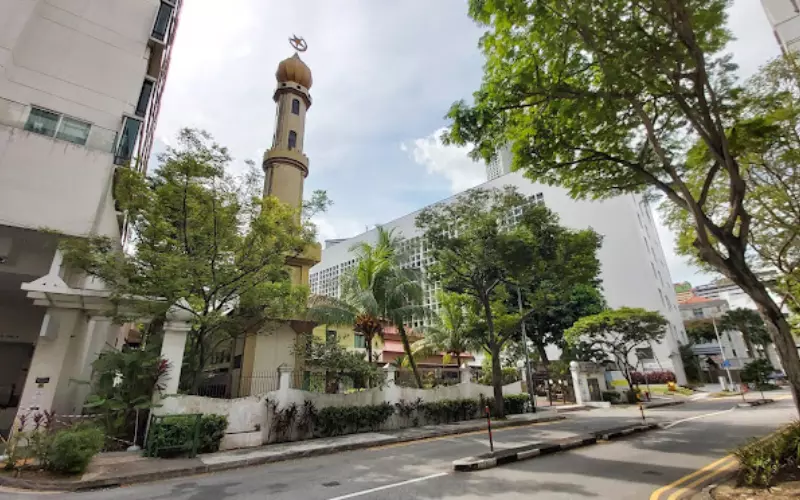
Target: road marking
x=656, y=494
x=704, y=415
x=388, y=486
x=702, y=479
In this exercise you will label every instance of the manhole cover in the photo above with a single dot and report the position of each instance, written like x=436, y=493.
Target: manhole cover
x=331, y=483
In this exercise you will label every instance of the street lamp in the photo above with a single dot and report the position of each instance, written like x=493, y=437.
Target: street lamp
x=528, y=377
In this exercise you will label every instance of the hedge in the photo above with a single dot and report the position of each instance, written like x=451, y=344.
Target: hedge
x=654, y=377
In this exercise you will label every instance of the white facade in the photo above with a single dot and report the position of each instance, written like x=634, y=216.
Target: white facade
x=784, y=15
x=80, y=83
x=501, y=164
x=634, y=269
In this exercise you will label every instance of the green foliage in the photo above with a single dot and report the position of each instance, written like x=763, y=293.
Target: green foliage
x=376, y=292
x=175, y=434
x=760, y=460
x=338, y=420
x=509, y=376
x=757, y=371
x=124, y=382
x=340, y=364
x=203, y=236
x=619, y=332
x=700, y=331
x=449, y=331
x=609, y=97
x=489, y=244
x=691, y=364
x=515, y=403
x=751, y=324
x=612, y=397
x=72, y=449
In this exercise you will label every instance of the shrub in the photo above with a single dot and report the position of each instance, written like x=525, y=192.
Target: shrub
x=611, y=396
x=654, y=377
x=72, y=449
x=174, y=434
x=336, y=420
x=510, y=375
x=515, y=403
x=761, y=460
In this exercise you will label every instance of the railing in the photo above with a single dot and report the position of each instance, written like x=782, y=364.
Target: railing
x=15, y=114
x=223, y=386
x=431, y=377
x=332, y=382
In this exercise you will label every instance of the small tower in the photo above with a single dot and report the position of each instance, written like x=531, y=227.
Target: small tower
x=285, y=165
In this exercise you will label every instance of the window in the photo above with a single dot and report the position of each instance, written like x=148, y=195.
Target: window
x=698, y=313
x=292, y=139
x=359, y=342
x=295, y=106
x=144, y=97
x=330, y=336
x=74, y=131
x=127, y=140
x=161, y=25
x=51, y=124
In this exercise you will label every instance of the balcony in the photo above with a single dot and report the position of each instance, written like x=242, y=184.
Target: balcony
x=57, y=126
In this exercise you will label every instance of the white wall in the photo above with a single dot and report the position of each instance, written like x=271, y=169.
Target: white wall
x=631, y=250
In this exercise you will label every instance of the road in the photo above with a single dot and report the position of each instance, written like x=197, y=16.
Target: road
x=631, y=468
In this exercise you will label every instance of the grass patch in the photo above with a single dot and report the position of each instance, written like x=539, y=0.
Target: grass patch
x=663, y=390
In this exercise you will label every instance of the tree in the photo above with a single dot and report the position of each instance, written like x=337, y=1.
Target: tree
x=619, y=332
x=338, y=363
x=691, y=364
x=199, y=234
x=376, y=292
x=607, y=97
x=449, y=331
x=700, y=331
x=751, y=324
x=757, y=371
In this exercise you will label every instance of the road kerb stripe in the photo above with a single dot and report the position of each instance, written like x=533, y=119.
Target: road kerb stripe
x=723, y=468
x=689, y=477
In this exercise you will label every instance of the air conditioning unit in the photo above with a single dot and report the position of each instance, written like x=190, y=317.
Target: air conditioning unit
x=5, y=250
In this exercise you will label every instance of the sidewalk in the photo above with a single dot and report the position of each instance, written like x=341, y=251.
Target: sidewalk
x=115, y=469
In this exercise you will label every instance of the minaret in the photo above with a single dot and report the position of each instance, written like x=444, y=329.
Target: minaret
x=285, y=165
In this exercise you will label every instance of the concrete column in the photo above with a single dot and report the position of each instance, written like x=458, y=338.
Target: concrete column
x=466, y=374
x=391, y=373
x=574, y=367
x=284, y=378
x=49, y=359
x=175, y=330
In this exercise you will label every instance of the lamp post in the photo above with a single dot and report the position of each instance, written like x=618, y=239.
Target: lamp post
x=722, y=350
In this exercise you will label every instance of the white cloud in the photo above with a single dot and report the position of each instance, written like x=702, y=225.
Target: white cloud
x=332, y=228
x=450, y=162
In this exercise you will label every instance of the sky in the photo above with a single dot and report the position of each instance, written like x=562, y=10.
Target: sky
x=385, y=74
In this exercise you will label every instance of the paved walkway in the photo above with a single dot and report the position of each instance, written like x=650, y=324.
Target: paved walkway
x=112, y=469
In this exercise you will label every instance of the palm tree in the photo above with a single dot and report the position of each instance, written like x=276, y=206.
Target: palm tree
x=449, y=333
x=377, y=291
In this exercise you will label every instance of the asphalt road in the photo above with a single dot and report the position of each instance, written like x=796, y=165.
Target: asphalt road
x=626, y=469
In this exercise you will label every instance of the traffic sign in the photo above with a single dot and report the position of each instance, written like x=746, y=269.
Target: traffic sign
x=726, y=363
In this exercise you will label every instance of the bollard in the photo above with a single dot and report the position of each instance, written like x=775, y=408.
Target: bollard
x=489, y=426
x=641, y=408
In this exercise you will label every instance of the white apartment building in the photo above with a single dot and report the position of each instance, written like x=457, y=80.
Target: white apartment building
x=634, y=269
x=784, y=15
x=501, y=165
x=80, y=87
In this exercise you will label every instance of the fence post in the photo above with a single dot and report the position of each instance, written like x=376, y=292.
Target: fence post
x=575, y=368
x=466, y=374
x=284, y=384
x=391, y=373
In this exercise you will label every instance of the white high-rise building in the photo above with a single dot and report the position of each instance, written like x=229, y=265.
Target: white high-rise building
x=784, y=15
x=634, y=269
x=80, y=86
x=501, y=165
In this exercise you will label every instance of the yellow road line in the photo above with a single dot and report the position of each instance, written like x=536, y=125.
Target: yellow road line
x=717, y=471
x=699, y=472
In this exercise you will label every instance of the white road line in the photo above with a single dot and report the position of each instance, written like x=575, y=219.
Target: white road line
x=395, y=485
x=673, y=424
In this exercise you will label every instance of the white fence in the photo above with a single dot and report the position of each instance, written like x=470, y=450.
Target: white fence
x=250, y=419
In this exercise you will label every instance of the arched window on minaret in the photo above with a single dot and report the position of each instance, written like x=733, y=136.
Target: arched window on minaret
x=292, y=139
x=296, y=106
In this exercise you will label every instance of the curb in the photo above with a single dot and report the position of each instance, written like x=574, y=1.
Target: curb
x=757, y=402
x=144, y=477
x=489, y=460
x=649, y=406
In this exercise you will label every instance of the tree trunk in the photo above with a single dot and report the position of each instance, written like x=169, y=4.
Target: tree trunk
x=497, y=382
x=779, y=329
x=368, y=340
x=407, y=348
x=458, y=359
x=540, y=348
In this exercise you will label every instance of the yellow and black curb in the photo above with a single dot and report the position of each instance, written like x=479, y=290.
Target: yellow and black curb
x=519, y=453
